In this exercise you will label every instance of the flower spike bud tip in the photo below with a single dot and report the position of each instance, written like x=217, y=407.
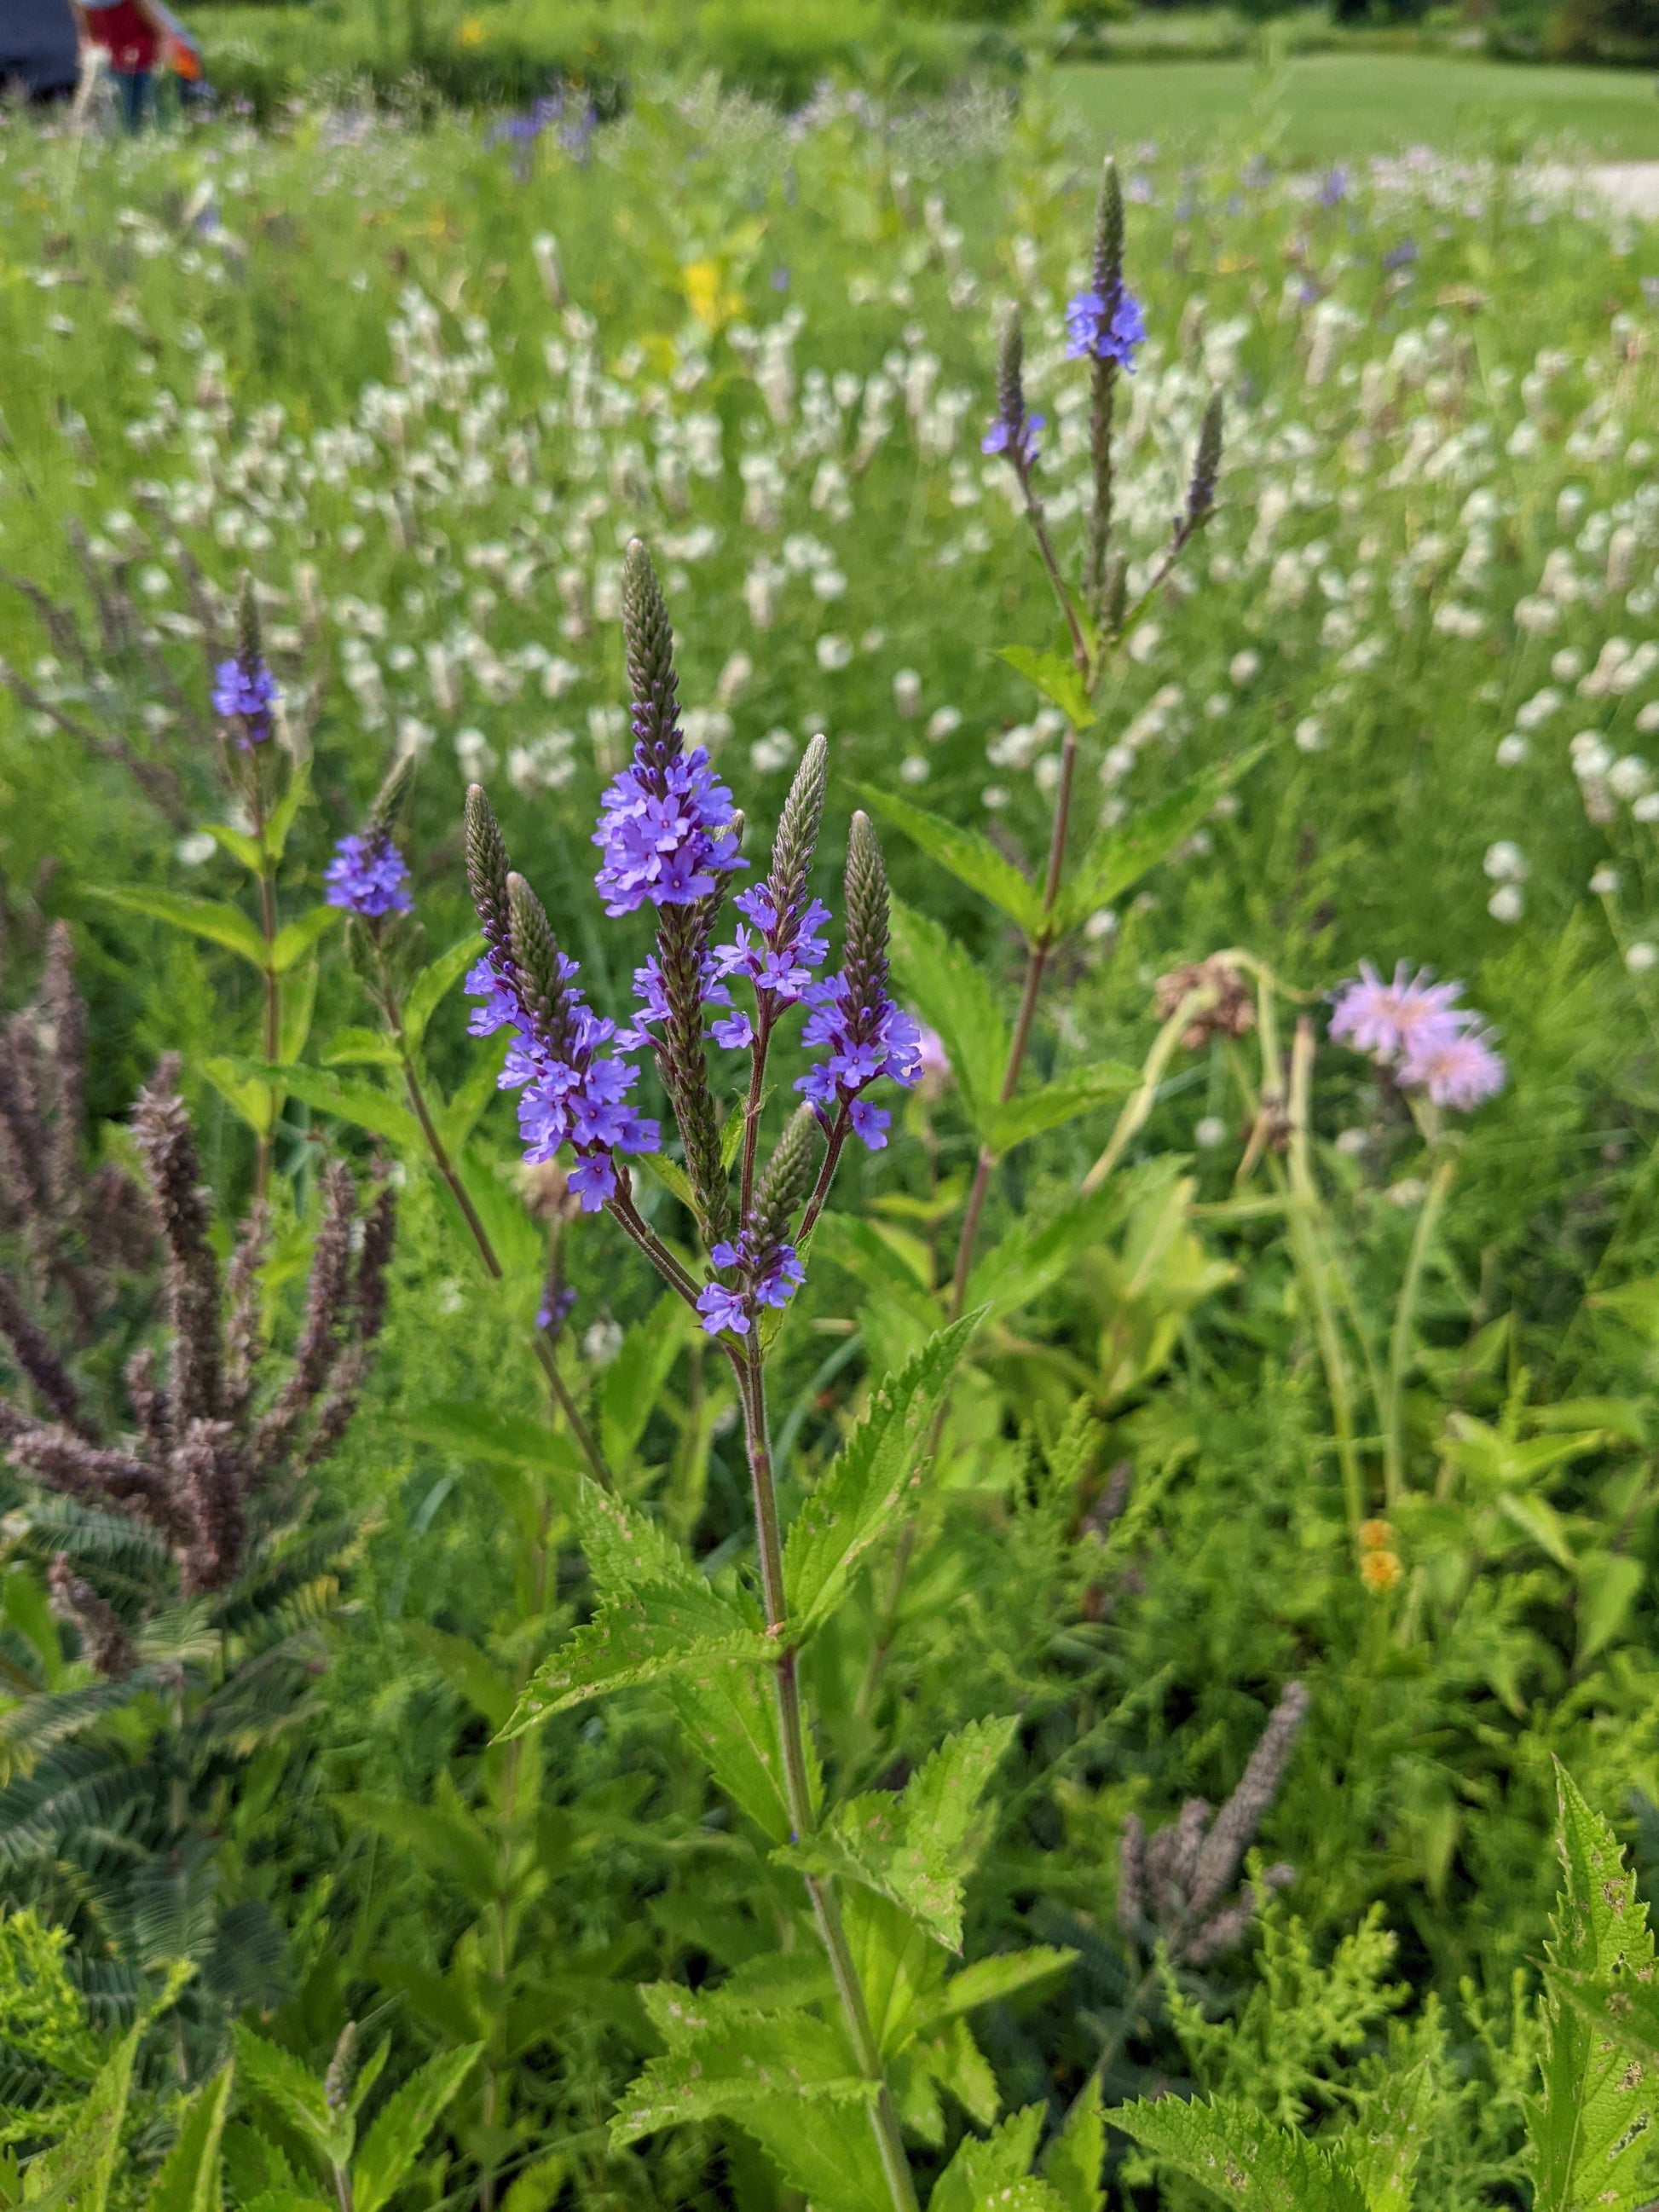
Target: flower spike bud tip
x=487, y=872
x=1109, y=231
x=1207, y=467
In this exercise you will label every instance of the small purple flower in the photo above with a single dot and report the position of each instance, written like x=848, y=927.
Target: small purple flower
x=1105, y=326
x=1019, y=440
x=245, y=691
x=552, y=1313
x=665, y=832
x=781, y=953
x=1461, y=1071
x=574, y=1095
x=368, y=875
x=862, y=1047
x=1400, y=256
x=768, y=1276
x=1334, y=186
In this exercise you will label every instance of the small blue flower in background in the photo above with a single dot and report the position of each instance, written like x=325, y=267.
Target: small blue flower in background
x=1105, y=327
x=368, y=875
x=1400, y=256
x=1018, y=440
x=1334, y=186
x=246, y=692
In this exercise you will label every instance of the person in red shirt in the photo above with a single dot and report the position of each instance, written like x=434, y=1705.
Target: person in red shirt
x=130, y=33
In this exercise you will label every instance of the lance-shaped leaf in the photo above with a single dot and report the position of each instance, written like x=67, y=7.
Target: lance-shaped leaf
x=209, y=919
x=1249, y=2161
x=868, y=1488
x=991, y=1981
x=656, y=1631
x=292, y=2091
x=295, y=939
x=671, y=1175
x=461, y=1425
x=968, y=855
x=434, y=982
x=189, y=2180
x=729, y=1712
x=1072, y=2163
x=1056, y=1103
x=736, y=2062
x=1120, y=857
x=360, y=1103
x=402, y=2125
x=948, y=990
x=1383, y=2145
x=75, y=2173
x=286, y=810
x=634, y=1380
x=250, y=1096
x=913, y=1847
x=1591, y=2127
x=995, y=2171
x=1055, y=675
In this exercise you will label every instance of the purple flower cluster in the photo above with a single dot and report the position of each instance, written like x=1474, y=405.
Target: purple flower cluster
x=574, y=1095
x=766, y=1277
x=368, y=875
x=863, y=1045
x=1416, y=1027
x=651, y=1005
x=665, y=832
x=245, y=691
x=1105, y=326
x=780, y=955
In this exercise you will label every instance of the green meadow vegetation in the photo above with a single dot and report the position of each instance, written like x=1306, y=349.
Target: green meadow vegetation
x=1073, y=1627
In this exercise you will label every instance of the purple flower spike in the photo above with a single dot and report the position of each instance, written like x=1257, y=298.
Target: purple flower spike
x=1105, y=326
x=864, y=1045
x=770, y=1275
x=665, y=832
x=244, y=691
x=368, y=875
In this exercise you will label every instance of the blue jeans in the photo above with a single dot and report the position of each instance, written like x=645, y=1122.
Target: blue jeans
x=133, y=87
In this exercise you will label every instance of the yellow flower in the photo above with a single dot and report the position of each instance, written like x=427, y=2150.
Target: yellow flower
x=471, y=33
x=1380, y=1571
x=708, y=294
x=1375, y=1536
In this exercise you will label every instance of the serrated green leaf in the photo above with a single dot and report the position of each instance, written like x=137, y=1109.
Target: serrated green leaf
x=256, y=1101
x=626, y=1549
x=1056, y=677
x=870, y=1484
x=434, y=983
x=467, y=1670
x=356, y=1046
x=968, y=855
x=949, y=989
x=1120, y=857
x=403, y=2123
x=1056, y=1103
x=295, y=939
x=739, y=2064
x=286, y=811
x=1244, y=2158
x=671, y=1175
x=211, y=919
x=75, y=2174
x=730, y=1714
x=989, y=1981
x=360, y=1103
x=655, y=1630
x=1609, y=1584
x=633, y=1381
x=1031, y=1257
x=292, y=2090
x=1383, y=2147
x=1592, y=2126
x=189, y=2180
x=1073, y=2161
x=913, y=1847
x=238, y=845
x=994, y=2171
x=299, y=1003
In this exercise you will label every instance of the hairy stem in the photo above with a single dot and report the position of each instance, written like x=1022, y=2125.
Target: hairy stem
x=268, y=977
x=1400, y=1339
x=826, y=1906
x=839, y=1133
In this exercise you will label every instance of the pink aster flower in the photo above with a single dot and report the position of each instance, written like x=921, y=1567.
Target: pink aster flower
x=1390, y=1020
x=1460, y=1070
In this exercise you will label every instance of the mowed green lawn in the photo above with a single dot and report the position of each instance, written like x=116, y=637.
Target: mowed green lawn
x=1332, y=108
